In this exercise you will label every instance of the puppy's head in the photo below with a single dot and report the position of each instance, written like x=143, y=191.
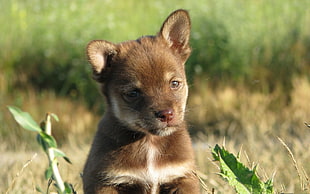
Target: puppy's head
x=144, y=80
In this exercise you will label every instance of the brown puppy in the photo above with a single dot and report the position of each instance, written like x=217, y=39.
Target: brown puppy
x=142, y=145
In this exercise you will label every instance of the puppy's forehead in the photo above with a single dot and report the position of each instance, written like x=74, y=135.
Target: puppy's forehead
x=149, y=60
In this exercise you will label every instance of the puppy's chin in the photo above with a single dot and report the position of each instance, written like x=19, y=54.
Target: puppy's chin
x=157, y=129
x=163, y=132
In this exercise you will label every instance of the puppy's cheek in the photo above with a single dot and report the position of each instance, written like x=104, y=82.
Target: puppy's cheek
x=115, y=107
x=129, y=118
x=123, y=115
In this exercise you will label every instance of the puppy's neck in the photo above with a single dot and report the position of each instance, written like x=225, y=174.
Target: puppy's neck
x=117, y=131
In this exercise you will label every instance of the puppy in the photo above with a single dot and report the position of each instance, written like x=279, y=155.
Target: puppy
x=142, y=145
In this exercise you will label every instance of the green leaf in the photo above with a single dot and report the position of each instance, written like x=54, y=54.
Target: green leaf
x=24, y=119
x=48, y=173
x=55, y=117
x=68, y=188
x=240, y=177
x=39, y=189
x=41, y=142
x=48, y=139
x=59, y=153
x=67, y=160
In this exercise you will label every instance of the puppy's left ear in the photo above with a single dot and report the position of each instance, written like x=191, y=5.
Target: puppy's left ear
x=176, y=31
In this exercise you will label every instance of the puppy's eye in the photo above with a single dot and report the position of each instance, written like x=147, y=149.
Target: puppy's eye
x=174, y=84
x=131, y=95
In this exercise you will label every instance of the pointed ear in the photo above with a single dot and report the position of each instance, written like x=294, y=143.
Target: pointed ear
x=99, y=52
x=176, y=31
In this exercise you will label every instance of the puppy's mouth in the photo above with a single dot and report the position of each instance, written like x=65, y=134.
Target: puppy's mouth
x=157, y=127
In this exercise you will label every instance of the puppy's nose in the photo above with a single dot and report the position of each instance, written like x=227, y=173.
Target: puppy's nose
x=165, y=115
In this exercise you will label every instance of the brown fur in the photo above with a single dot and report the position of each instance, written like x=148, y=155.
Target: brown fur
x=142, y=144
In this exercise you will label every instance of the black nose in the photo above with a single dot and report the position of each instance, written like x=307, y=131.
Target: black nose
x=165, y=115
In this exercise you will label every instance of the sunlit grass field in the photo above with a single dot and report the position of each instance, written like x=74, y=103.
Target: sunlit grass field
x=248, y=74
x=243, y=124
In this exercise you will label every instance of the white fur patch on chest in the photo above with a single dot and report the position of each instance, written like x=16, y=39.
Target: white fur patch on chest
x=152, y=175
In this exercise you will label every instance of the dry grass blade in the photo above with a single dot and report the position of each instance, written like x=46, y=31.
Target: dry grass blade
x=248, y=159
x=307, y=186
x=200, y=176
x=20, y=172
x=214, y=163
x=283, y=188
x=294, y=162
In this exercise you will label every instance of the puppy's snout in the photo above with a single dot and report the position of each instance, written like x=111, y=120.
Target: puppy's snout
x=165, y=115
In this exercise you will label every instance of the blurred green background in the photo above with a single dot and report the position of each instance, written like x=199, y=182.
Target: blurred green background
x=42, y=42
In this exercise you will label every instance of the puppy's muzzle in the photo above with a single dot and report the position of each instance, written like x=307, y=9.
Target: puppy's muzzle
x=165, y=115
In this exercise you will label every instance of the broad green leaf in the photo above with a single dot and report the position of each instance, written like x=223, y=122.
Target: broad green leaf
x=240, y=177
x=24, y=119
x=48, y=139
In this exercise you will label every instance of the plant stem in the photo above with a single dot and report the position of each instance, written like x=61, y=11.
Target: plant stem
x=51, y=156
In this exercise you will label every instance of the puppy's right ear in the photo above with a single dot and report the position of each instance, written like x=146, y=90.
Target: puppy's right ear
x=99, y=53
